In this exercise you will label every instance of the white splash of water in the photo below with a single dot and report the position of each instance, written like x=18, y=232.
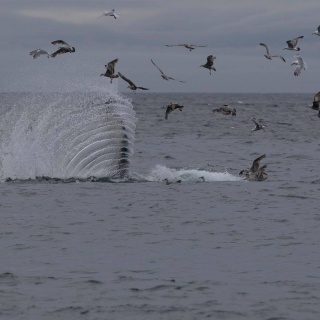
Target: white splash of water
x=160, y=172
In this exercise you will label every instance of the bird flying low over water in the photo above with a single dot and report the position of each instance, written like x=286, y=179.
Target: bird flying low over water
x=292, y=44
x=171, y=107
x=188, y=46
x=109, y=14
x=64, y=48
x=225, y=110
x=38, y=52
x=317, y=32
x=131, y=85
x=110, y=70
x=316, y=102
x=209, y=64
x=257, y=126
x=255, y=173
x=300, y=65
x=269, y=56
x=164, y=76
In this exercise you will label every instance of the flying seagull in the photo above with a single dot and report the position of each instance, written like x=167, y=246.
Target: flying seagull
x=225, y=110
x=291, y=44
x=110, y=70
x=64, y=48
x=255, y=173
x=164, y=76
x=269, y=56
x=131, y=85
x=300, y=65
x=188, y=46
x=209, y=64
x=110, y=14
x=257, y=126
x=317, y=32
x=38, y=52
x=171, y=107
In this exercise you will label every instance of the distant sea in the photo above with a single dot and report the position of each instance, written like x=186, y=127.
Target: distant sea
x=77, y=243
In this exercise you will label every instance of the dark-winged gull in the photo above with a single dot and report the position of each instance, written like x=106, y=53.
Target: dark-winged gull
x=300, y=65
x=255, y=173
x=171, y=107
x=257, y=126
x=110, y=70
x=292, y=44
x=225, y=110
x=270, y=56
x=317, y=32
x=188, y=46
x=163, y=75
x=131, y=85
x=209, y=64
x=64, y=48
x=38, y=52
x=109, y=14
x=316, y=101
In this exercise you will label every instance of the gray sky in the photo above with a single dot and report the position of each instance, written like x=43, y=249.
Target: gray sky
x=231, y=29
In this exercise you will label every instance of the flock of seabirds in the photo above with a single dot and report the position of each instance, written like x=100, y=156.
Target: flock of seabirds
x=256, y=172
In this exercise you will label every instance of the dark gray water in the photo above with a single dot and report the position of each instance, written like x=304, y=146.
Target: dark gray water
x=223, y=249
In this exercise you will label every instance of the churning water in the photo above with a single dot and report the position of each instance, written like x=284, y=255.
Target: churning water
x=141, y=249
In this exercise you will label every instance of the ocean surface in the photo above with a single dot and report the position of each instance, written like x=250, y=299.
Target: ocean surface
x=78, y=243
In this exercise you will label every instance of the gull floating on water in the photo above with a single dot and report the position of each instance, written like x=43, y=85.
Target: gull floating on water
x=110, y=70
x=269, y=56
x=317, y=32
x=164, y=76
x=64, y=48
x=225, y=110
x=209, y=64
x=109, y=14
x=38, y=52
x=300, y=65
x=171, y=107
x=257, y=126
x=255, y=173
x=188, y=46
x=131, y=85
x=291, y=44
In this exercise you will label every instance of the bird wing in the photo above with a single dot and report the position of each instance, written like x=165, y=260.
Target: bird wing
x=34, y=52
x=115, y=15
x=316, y=97
x=264, y=45
x=168, y=111
x=318, y=29
x=256, y=163
x=278, y=56
x=110, y=66
x=157, y=67
x=59, y=51
x=61, y=42
x=294, y=41
x=142, y=88
x=171, y=45
x=126, y=79
x=194, y=45
x=255, y=122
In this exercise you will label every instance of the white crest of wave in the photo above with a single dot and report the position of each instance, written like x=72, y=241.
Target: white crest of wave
x=66, y=135
x=160, y=172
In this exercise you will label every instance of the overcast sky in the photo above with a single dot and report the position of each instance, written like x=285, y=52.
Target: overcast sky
x=231, y=29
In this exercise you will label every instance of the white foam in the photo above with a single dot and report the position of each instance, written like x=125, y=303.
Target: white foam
x=161, y=172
